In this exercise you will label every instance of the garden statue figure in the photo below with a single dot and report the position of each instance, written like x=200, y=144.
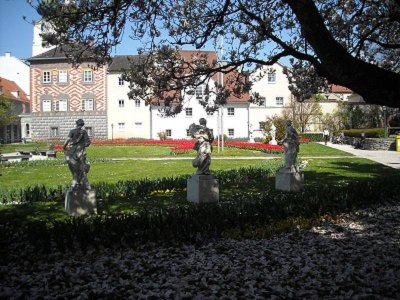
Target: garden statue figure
x=203, y=146
x=272, y=132
x=75, y=155
x=291, y=146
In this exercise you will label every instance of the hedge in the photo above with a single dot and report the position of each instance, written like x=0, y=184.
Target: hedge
x=369, y=132
x=191, y=223
x=312, y=136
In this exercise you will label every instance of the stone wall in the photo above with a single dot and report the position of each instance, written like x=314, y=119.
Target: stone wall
x=43, y=124
x=374, y=143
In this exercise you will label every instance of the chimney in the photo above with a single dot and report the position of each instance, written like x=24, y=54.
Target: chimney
x=8, y=54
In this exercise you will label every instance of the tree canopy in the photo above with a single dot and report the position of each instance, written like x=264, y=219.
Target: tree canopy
x=353, y=43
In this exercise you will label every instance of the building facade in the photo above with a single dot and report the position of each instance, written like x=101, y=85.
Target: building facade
x=272, y=86
x=13, y=93
x=15, y=70
x=62, y=93
x=127, y=118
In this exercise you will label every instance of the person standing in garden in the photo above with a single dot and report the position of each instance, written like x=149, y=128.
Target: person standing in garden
x=326, y=135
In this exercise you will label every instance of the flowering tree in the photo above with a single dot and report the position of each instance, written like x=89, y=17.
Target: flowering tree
x=354, y=43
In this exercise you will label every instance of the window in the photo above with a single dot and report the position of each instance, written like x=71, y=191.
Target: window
x=27, y=130
x=231, y=132
x=121, y=103
x=87, y=76
x=231, y=111
x=87, y=104
x=279, y=100
x=261, y=125
x=189, y=112
x=89, y=130
x=168, y=132
x=138, y=124
x=62, y=76
x=61, y=105
x=121, y=126
x=187, y=132
x=271, y=77
x=120, y=81
x=137, y=103
x=199, y=92
x=46, y=78
x=262, y=101
x=210, y=113
x=53, y=131
x=46, y=105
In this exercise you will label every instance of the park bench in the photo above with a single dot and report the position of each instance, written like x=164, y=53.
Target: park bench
x=44, y=152
x=8, y=157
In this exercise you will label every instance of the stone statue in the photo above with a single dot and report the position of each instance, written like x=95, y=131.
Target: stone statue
x=75, y=155
x=272, y=132
x=291, y=146
x=203, y=146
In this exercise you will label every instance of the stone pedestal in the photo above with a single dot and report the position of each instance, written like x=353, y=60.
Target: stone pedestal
x=80, y=202
x=273, y=142
x=289, y=180
x=202, y=188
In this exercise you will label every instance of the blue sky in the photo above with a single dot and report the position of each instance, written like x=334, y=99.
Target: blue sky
x=16, y=34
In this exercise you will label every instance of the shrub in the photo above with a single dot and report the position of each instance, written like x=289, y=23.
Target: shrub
x=193, y=223
x=369, y=132
x=312, y=136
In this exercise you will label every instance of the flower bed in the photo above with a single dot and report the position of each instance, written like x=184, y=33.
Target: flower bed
x=184, y=146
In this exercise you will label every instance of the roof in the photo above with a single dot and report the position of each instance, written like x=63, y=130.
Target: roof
x=334, y=88
x=59, y=53
x=10, y=90
x=123, y=62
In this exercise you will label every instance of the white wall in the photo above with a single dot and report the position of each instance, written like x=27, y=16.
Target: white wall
x=270, y=91
x=37, y=43
x=136, y=119
x=179, y=123
x=16, y=70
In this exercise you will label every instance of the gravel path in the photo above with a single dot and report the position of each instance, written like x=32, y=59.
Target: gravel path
x=357, y=257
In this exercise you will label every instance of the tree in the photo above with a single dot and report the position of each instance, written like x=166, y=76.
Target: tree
x=7, y=111
x=304, y=113
x=353, y=43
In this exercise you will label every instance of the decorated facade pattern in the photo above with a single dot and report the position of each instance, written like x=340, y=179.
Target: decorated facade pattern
x=74, y=90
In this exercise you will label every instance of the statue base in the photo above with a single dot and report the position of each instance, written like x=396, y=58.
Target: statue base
x=80, y=201
x=273, y=142
x=289, y=180
x=202, y=189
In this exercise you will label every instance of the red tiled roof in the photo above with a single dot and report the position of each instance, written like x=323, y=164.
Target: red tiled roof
x=334, y=88
x=189, y=55
x=7, y=87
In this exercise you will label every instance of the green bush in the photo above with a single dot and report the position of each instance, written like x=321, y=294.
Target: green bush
x=369, y=133
x=127, y=190
x=313, y=136
x=193, y=223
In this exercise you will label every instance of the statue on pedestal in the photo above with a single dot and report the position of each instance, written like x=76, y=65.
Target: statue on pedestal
x=203, y=146
x=202, y=186
x=291, y=146
x=289, y=178
x=80, y=199
x=272, y=132
x=75, y=155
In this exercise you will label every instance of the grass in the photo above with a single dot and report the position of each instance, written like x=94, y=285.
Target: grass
x=326, y=170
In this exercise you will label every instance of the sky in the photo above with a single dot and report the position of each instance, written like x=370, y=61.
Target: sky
x=16, y=34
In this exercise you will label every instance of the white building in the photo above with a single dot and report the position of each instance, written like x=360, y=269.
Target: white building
x=273, y=87
x=231, y=120
x=126, y=118
x=15, y=70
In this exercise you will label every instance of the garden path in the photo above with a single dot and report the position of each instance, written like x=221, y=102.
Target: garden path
x=387, y=158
